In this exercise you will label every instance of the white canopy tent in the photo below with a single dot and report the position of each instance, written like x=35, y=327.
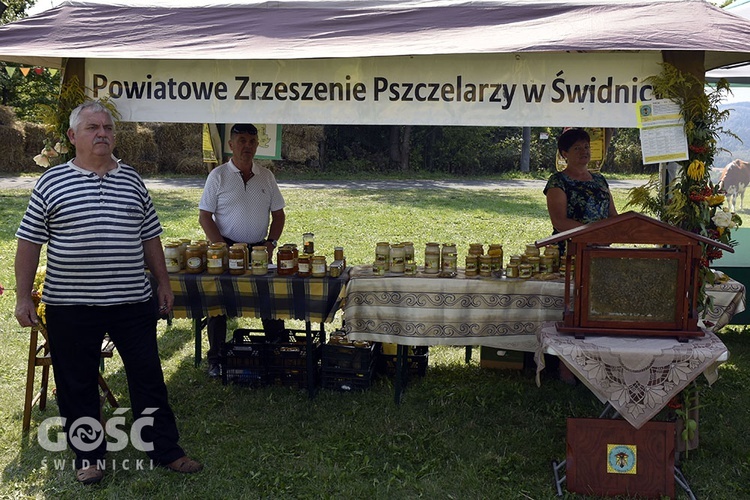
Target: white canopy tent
x=502, y=62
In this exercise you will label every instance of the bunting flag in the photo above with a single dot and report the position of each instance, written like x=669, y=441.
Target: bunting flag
x=11, y=70
x=52, y=71
x=25, y=71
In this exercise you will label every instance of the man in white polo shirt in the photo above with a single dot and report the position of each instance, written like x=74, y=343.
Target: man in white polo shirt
x=238, y=202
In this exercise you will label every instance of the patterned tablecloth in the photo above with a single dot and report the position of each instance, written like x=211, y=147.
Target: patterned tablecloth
x=495, y=312
x=637, y=375
x=269, y=297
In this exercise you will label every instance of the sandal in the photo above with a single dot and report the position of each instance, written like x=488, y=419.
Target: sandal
x=185, y=465
x=89, y=475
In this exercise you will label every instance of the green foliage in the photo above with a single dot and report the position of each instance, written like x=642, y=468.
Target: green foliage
x=692, y=202
x=16, y=9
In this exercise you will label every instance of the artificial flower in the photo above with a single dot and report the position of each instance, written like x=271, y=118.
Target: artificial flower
x=722, y=218
x=715, y=200
x=41, y=160
x=696, y=170
x=61, y=148
x=698, y=149
x=50, y=152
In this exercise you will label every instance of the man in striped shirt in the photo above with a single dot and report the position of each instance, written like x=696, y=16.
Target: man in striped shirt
x=100, y=227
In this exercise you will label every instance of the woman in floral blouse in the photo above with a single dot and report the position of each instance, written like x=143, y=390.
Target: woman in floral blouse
x=576, y=196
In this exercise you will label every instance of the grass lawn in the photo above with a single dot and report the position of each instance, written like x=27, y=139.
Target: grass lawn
x=461, y=432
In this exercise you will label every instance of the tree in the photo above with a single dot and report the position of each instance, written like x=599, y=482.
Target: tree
x=25, y=93
x=15, y=10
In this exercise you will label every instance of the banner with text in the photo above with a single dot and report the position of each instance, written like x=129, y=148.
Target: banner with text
x=539, y=89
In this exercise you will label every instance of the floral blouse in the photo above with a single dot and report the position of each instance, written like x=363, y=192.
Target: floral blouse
x=588, y=201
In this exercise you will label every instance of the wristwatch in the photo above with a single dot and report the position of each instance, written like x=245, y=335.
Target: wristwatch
x=273, y=242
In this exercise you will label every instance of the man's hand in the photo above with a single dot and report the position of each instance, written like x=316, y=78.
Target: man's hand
x=26, y=312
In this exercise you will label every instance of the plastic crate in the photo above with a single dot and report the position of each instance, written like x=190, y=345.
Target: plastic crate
x=243, y=361
x=287, y=361
x=248, y=359
x=343, y=380
x=415, y=362
x=351, y=356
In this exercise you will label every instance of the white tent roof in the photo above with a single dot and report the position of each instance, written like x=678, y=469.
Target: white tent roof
x=340, y=29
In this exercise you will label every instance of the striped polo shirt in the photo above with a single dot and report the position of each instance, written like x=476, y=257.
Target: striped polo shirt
x=94, y=228
x=241, y=210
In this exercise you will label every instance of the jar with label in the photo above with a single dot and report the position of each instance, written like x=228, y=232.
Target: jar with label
x=184, y=243
x=236, y=260
x=193, y=259
x=304, y=266
x=285, y=261
x=408, y=251
x=335, y=269
x=476, y=249
x=553, y=251
x=224, y=253
x=524, y=271
x=545, y=264
x=203, y=244
x=338, y=254
x=485, y=265
x=308, y=243
x=511, y=271
x=535, y=263
x=410, y=268
x=532, y=250
x=172, y=257
x=397, y=259
x=383, y=254
x=215, y=259
x=472, y=265
x=318, y=268
x=515, y=260
x=496, y=252
x=259, y=260
x=295, y=255
x=448, y=259
x=246, y=254
x=432, y=258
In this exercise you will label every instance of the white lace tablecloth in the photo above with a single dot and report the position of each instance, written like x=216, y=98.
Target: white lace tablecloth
x=637, y=375
x=494, y=312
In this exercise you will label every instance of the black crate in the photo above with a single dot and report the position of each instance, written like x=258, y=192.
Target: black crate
x=415, y=362
x=243, y=361
x=287, y=361
x=358, y=357
x=249, y=360
x=347, y=380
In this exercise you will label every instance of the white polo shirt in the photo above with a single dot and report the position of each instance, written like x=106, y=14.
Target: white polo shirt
x=241, y=210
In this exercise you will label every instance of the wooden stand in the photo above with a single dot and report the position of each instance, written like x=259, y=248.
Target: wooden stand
x=609, y=457
x=632, y=275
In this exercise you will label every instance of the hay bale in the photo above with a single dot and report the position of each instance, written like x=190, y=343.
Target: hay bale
x=137, y=148
x=12, y=154
x=35, y=136
x=180, y=146
x=190, y=165
x=7, y=116
x=301, y=143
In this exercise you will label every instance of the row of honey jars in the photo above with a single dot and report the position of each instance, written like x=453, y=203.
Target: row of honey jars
x=174, y=254
x=479, y=263
x=397, y=258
